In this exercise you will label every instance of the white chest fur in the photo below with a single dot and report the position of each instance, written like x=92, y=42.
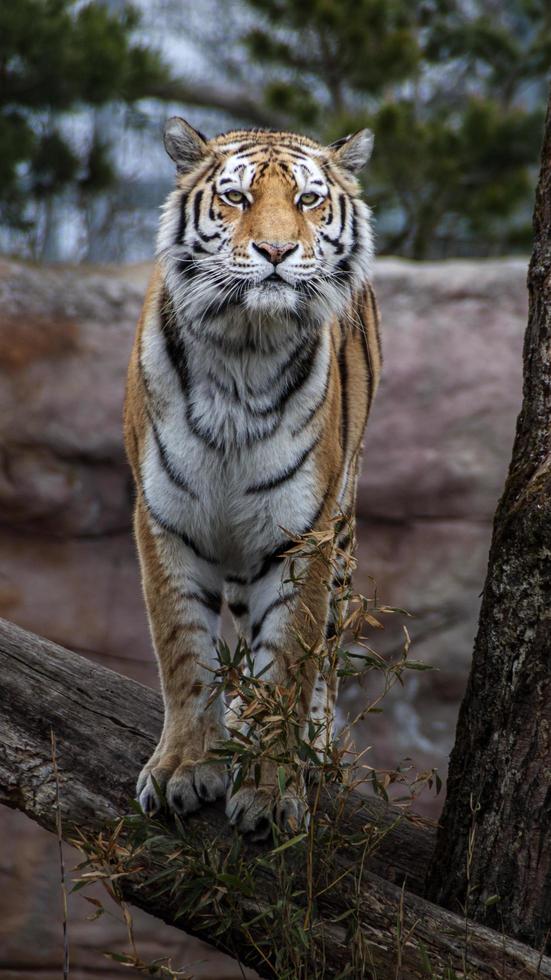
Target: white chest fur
x=230, y=452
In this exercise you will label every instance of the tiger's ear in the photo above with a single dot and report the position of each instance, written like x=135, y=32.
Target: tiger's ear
x=183, y=143
x=352, y=152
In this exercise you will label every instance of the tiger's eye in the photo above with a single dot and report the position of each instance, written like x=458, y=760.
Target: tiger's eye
x=309, y=198
x=235, y=197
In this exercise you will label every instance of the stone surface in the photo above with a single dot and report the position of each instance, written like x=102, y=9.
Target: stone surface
x=437, y=450
x=436, y=455
x=441, y=432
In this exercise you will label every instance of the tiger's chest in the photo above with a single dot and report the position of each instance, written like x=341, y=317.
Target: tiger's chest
x=230, y=457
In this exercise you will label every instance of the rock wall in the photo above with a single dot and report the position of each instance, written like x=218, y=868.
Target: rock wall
x=436, y=454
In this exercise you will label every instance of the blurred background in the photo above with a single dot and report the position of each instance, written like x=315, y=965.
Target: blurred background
x=455, y=92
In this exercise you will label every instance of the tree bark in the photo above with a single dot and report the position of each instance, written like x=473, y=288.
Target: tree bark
x=494, y=834
x=105, y=727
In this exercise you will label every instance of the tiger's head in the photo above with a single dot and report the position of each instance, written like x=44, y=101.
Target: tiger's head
x=267, y=222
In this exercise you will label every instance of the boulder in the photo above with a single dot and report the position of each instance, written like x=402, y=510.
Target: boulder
x=436, y=454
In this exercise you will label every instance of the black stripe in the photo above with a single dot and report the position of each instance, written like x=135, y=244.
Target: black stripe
x=166, y=464
x=217, y=340
x=238, y=609
x=337, y=245
x=182, y=222
x=256, y=627
x=187, y=266
x=217, y=443
x=368, y=358
x=178, y=357
x=298, y=366
x=295, y=150
x=234, y=297
x=205, y=438
x=345, y=542
x=232, y=392
x=209, y=174
x=260, y=170
x=369, y=368
x=287, y=474
x=197, y=209
x=174, y=345
x=288, y=363
x=212, y=214
x=313, y=411
x=211, y=600
x=270, y=559
x=330, y=629
x=336, y=144
x=321, y=505
x=246, y=147
x=279, y=553
x=344, y=264
x=343, y=373
x=355, y=241
x=237, y=580
x=277, y=379
x=342, y=212
x=301, y=373
x=208, y=238
x=185, y=538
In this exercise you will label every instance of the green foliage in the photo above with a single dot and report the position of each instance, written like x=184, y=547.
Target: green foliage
x=56, y=57
x=453, y=91
x=329, y=44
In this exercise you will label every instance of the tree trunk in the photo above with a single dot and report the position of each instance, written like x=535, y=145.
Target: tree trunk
x=105, y=727
x=494, y=834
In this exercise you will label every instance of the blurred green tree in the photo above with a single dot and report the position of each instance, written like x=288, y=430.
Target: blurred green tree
x=454, y=91
x=57, y=56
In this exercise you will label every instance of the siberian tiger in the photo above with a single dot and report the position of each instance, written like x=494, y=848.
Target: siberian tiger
x=255, y=363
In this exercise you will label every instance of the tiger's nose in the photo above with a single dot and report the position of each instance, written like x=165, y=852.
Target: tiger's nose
x=273, y=251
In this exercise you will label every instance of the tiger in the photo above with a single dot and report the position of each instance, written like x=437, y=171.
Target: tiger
x=256, y=359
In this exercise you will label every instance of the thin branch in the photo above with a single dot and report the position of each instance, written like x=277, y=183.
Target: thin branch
x=237, y=103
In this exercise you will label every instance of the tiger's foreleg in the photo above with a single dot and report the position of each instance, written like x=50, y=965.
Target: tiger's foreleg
x=326, y=687
x=287, y=626
x=183, y=601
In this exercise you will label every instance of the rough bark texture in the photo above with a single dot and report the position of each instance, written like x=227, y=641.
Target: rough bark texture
x=499, y=786
x=105, y=726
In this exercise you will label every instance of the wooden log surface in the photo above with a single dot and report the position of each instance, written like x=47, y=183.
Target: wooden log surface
x=105, y=727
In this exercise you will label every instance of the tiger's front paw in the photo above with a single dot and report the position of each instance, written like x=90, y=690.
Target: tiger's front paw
x=184, y=785
x=253, y=811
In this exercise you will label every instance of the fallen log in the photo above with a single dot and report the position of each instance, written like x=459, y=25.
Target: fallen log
x=105, y=726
